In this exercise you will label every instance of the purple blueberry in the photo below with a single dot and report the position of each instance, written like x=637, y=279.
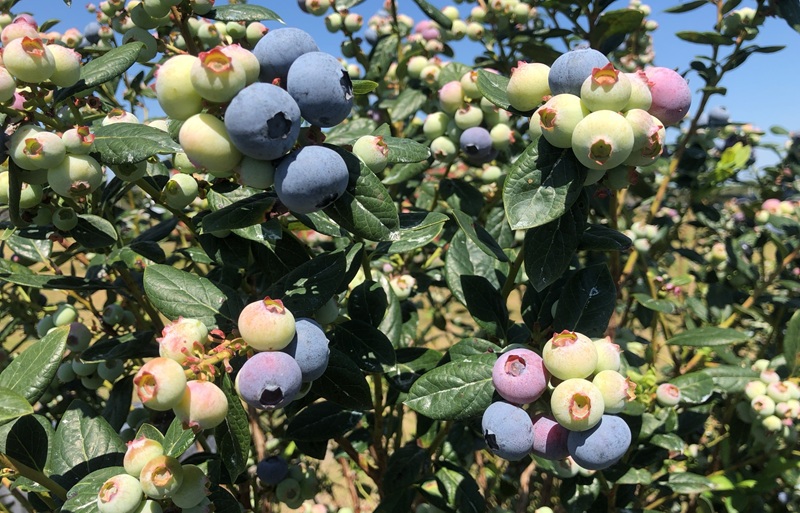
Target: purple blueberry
x=476, y=143
x=263, y=121
x=310, y=179
x=269, y=380
x=570, y=70
x=309, y=348
x=549, y=438
x=601, y=446
x=519, y=376
x=92, y=32
x=507, y=430
x=272, y=470
x=278, y=49
x=371, y=35
x=321, y=87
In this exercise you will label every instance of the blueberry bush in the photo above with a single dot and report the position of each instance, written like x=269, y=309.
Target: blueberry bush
x=245, y=273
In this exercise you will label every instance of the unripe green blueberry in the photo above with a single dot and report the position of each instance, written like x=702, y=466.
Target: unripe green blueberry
x=137, y=416
x=491, y=173
x=160, y=383
x=215, y=77
x=333, y=22
x=203, y=406
x=779, y=391
x=79, y=337
x=8, y=86
x=44, y=325
x=76, y=176
x=255, y=31
x=142, y=19
x=430, y=74
x=451, y=97
x=668, y=394
x=182, y=338
x=65, y=373
x=570, y=355
x=602, y=140
x=435, y=125
x=469, y=85
x=65, y=314
x=558, y=118
x=81, y=368
x=67, y=66
x=150, y=506
x=78, y=140
x=617, y=390
x=130, y=172
x=205, y=506
x=309, y=484
x=328, y=313
x=288, y=491
x=150, y=48
x=174, y=89
x=468, y=116
x=577, y=404
x=33, y=148
x=402, y=286
x=528, y=85
x=640, y=91
x=180, y=191
x=44, y=216
x=92, y=382
x=30, y=195
x=118, y=115
x=236, y=30
x=772, y=423
x=353, y=22
x=161, y=477
x=201, y=7
x=769, y=376
x=651, y=137
x=415, y=66
x=110, y=370
x=120, y=494
x=373, y=151
x=29, y=60
x=475, y=31
x=65, y=219
x=243, y=59
x=207, y=144
x=255, y=173
x=606, y=89
x=608, y=355
x=502, y=136
x=156, y=8
x=763, y=405
x=444, y=149
x=266, y=325
x=194, y=488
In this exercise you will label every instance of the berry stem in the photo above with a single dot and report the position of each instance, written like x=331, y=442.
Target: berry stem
x=56, y=489
x=14, y=194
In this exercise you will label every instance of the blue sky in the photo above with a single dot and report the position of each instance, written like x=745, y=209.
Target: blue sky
x=762, y=91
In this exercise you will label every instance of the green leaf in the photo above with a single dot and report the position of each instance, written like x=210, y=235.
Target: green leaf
x=406, y=467
x=177, y=439
x=121, y=143
x=597, y=237
x=140, y=344
x=493, y=87
x=118, y=404
x=406, y=150
x=695, y=387
x=240, y=214
x=619, y=22
x=82, y=497
x=364, y=86
x=29, y=440
x=233, y=435
x=549, y=248
x=668, y=441
x=412, y=362
x=688, y=6
x=150, y=431
x=84, y=442
x=343, y=382
x=541, y=185
x=587, y=301
x=456, y=390
x=478, y=234
x=322, y=421
x=13, y=405
x=178, y=293
x=108, y=66
x=94, y=232
x=349, y=130
x=687, y=482
x=404, y=172
x=704, y=38
x=41, y=281
x=368, y=303
x=416, y=230
x=658, y=305
x=406, y=104
x=381, y=57
x=460, y=489
x=242, y=12
x=364, y=344
x=791, y=343
x=434, y=14
x=308, y=287
x=789, y=10
x=347, y=4
x=708, y=336
x=469, y=347
x=451, y=72
x=730, y=378
x=31, y=373
x=465, y=258
x=635, y=475
x=365, y=209
x=486, y=305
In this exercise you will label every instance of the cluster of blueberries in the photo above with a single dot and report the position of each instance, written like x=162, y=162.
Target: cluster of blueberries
x=773, y=408
x=266, y=94
x=293, y=483
x=580, y=422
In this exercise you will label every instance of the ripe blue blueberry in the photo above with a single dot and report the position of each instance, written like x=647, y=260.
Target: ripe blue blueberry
x=263, y=121
x=570, y=70
x=601, y=446
x=476, y=143
x=549, y=438
x=507, y=430
x=278, y=49
x=321, y=87
x=269, y=380
x=309, y=348
x=272, y=470
x=92, y=32
x=310, y=179
x=520, y=376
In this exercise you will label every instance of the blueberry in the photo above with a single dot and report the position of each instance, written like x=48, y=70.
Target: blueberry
x=507, y=430
x=310, y=179
x=269, y=380
x=272, y=470
x=279, y=48
x=309, y=348
x=476, y=143
x=520, y=376
x=718, y=116
x=321, y=87
x=371, y=35
x=92, y=32
x=569, y=71
x=601, y=446
x=263, y=121
x=549, y=438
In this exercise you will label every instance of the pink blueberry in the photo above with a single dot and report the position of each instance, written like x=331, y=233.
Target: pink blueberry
x=519, y=376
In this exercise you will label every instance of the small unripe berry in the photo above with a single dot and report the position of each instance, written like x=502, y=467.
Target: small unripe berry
x=120, y=494
x=606, y=88
x=528, y=85
x=266, y=325
x=203, y=406
x=160, y=383
x=174, y=89
x=668, y=394
x=180, y=191
x=161, y=477
x=617, y=390
x=373, y=151
x=194, y=488
x=181, y=338
x=577, y=404
x=76, y=176
x=29, y=60
x=139, y=452
x=570, y=355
